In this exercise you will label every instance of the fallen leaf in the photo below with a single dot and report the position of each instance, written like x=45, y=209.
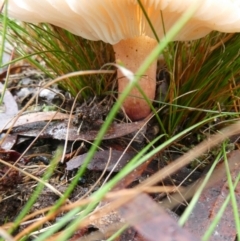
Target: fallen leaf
x=211, y=201
x=60, y=131
x=152, y=221
x=29, y=118
x=7, y=142
x=100, y=160
x=11, y=156
x=133, y=176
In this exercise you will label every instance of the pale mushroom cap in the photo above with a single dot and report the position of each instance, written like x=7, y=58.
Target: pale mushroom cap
x=114, y=20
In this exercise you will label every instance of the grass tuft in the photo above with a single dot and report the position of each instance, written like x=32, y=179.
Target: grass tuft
x=204, y=80
x=56, y=52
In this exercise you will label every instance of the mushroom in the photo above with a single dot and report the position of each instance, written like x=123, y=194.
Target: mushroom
x=123, y=24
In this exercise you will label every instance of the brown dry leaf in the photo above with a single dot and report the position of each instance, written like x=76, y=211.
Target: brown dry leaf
x=211, y=201
x=152, y=221
x=8, y=120
x=100, y=160
x=9, y=177
x=29, y=118
x=7, y=142
x=133, y=176
x=61, y=131
x=12, y=156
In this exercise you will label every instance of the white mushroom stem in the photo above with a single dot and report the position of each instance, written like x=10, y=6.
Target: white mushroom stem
x=132, y=52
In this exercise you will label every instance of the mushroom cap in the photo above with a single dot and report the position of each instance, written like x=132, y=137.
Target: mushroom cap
x=114, y=20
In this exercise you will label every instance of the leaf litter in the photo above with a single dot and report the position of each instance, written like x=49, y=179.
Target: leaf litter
x=61, y=127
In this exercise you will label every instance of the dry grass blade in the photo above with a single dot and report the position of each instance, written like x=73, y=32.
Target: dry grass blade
x=174, y=166
x=198, y=150
x=32, y=177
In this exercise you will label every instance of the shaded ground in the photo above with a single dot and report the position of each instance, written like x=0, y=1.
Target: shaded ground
x=20, y=149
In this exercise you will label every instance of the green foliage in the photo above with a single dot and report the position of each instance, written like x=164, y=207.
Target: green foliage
x=55, y=51
x=204, y=72
x=204, y=80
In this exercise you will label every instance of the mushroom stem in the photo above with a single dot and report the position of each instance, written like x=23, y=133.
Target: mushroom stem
x=132, y=52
